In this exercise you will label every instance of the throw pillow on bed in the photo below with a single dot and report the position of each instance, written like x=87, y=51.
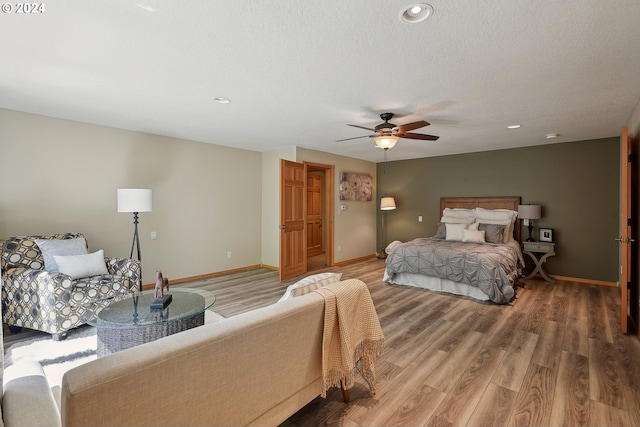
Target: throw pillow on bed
x=473, y=236
x=494, y=233
x=309, y=284
x=454, y=231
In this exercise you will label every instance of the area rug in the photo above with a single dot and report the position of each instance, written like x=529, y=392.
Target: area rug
x=57, y=357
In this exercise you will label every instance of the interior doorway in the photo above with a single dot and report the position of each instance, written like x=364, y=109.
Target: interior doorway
x=319, y=223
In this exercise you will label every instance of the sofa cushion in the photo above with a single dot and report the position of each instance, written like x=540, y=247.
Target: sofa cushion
x=52, y=247
x=28, y=400
x=310, y=283
x=80, y=266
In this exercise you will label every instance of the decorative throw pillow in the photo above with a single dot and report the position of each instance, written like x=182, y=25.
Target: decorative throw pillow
x=441, y=233
x=81, y=266
x=473, y=236
x=454, y=231
x=61, y=247
x=310, y=283
x=494, y=233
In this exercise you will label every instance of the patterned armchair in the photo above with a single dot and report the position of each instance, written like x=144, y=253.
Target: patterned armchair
x=54, y=302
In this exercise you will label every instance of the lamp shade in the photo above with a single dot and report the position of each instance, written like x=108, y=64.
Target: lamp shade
x=387, y=204
x=385, y=142
x=134, y=200
x=529, y=212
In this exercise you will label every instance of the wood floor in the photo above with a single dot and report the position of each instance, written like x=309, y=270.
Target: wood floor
x=554, y=357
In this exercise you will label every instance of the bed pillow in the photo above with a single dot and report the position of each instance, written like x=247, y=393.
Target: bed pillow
x=504, y=217
x=494, y=233
x=61, y=247
x=473, y=236
x=441, y=232
x=459, y=213
x=454, y=231
x=81, y=266
x=310, y=283
x=455, y=220
x=496, y=214
x=458, y=216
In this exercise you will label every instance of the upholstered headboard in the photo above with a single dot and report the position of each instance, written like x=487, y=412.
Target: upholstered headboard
x=505, y=202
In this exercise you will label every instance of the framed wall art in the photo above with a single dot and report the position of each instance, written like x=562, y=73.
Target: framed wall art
x=545, y=234
x=356, y=187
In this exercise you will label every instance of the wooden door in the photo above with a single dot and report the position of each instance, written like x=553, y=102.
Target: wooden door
x=293, y=248
x=314, y=214
x=625, y=227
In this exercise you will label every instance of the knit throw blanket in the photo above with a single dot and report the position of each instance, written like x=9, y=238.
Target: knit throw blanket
x=352, y=338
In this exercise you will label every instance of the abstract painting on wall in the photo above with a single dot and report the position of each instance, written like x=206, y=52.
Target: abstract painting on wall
x=356, y=187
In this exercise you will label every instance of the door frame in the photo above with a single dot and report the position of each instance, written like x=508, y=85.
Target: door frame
x=328, y=202
x=625, y=239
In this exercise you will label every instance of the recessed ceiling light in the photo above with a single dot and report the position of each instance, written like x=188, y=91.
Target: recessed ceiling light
x=416, y=13
x=221, y=100
x=514, y=126
x=552, y=135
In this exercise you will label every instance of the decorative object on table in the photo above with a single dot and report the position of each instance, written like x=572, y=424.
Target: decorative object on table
x=161, y=284
x=545, y=234
x=356, y=187
x=161, y=300
x=135, y=200
x=386, y=204
x=160, y=303
x=529, y=213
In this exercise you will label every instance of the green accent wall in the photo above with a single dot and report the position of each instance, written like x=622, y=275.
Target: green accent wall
x=577, y=184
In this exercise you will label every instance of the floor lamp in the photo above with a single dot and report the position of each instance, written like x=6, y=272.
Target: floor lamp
x=135, y=200
x=386, y=204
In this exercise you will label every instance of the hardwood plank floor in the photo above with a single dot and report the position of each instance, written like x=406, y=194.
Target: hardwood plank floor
x=553, y=357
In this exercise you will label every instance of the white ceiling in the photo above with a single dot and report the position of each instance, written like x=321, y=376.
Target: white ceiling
x=298, y=71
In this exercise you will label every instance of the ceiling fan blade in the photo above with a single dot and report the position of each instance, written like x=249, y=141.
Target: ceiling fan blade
x=412, y=126
x=410, y=135
x=362, y=127
x=357, y=137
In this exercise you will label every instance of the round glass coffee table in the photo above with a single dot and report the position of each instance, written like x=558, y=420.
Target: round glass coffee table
x=130, y=321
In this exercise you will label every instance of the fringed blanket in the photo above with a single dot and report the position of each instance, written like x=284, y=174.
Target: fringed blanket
x=352, y=338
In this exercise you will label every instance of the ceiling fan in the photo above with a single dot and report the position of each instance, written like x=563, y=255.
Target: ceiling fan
x=387, y=134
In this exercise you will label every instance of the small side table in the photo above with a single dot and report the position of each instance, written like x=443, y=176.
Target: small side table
x=545, y=250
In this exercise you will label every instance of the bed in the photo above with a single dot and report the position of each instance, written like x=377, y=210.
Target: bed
x=475, y=252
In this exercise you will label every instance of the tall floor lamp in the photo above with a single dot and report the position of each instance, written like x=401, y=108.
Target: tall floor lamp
x=386, y=204
x=135, y=200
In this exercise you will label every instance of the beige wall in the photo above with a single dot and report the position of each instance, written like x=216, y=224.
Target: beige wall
x=60, y=176
x=576, y=183
x=354, y=228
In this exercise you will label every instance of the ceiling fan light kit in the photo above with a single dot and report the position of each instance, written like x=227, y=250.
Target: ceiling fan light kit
x=416, y=13
x=385, y=142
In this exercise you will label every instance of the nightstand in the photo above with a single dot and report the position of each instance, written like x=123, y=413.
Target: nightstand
x=544, y=251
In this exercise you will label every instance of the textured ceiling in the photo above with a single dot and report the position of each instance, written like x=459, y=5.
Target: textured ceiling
x=298, y=71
